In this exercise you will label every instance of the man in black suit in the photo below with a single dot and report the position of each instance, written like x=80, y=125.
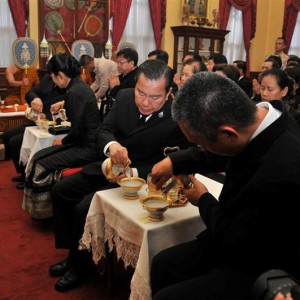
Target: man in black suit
x=39, y=98
x=247, y=228
x=138, y=128
x=244, y=82
x=127, y=60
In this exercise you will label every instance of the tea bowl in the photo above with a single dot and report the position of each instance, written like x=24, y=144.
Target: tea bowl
x=131, y=186
x=156, y=205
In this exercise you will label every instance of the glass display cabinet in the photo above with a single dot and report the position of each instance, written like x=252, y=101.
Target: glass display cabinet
x=205, y=41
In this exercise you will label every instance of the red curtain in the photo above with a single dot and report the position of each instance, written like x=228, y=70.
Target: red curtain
x=119, y=12
x=158, y=18
x=291, y=9
x=19, y=11
x=248, y=7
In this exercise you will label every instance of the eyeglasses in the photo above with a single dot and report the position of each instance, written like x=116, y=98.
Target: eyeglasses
x=122, y=62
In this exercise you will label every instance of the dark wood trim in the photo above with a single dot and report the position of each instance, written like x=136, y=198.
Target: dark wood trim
x=3, y=83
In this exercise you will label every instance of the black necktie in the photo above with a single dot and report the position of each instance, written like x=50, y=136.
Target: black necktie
x=142, y=119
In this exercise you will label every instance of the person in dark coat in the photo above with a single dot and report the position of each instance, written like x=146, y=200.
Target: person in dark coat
x=127, y=60
x=257, y=211
x=39, y=98
x=137, y=129
x=76, y=149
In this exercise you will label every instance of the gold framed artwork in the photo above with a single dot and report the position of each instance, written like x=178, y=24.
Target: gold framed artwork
x=198, y=8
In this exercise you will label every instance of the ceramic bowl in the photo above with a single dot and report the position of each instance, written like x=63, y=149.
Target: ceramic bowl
x=39, y=123
x=131, y=186
x=156, y=205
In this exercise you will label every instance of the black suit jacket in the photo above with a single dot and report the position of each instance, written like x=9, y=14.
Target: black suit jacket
x=48, y=92
x=145, y=143
x=126, y=81
x=257, y=213
x=246, y=84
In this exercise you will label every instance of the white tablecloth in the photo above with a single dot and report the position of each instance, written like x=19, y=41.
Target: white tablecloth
x=35, y=139
x=121, y=223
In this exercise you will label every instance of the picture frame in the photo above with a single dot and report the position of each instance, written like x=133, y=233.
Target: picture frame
x=198, y=8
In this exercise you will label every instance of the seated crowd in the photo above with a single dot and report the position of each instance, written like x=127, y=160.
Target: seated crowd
x=246, y=128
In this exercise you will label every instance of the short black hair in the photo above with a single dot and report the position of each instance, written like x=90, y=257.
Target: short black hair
x=64, y=63
x=129, y=54
x=218, y=58
x=241, y=64
x=160, y=54
x=277, y=58
x=85, y=59
x=155, y=69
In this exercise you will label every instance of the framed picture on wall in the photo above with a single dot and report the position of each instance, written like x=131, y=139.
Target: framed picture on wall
x=62, y=22
x=198, y=8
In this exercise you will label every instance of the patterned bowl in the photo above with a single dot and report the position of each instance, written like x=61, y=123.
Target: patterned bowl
x=131, y=186
x=156, y=205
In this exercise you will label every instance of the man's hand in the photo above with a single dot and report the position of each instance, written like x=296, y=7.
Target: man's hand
x=37, y=105
x=56, y=107
x=195, y=191
x=57, y=141
x=256, y=86
x=118, y=154
x=161, y=172
x=113, y=80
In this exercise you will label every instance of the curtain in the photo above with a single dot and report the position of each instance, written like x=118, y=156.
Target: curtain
x=248, y=7
x=291, y=8
x=295, y=43
x=158, y=17
x=119, y=12
x=234, y=48
x=137, y=32
x=7, y=35
x=19, y=11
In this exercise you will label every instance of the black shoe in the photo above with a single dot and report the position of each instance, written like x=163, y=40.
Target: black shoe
x=69, y=281
x=18, y=178
x=20, y=186
x=58, y=269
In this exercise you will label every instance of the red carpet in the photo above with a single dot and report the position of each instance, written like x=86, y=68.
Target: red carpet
x=27, y=250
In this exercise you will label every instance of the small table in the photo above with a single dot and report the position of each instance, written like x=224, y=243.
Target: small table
x=122, y=224
x=35, y=139
x=11, y=119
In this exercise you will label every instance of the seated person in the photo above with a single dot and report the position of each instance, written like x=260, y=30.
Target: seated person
x=127, y=64
x=39, y=98
x=159, y=54
x=261, y=147
x=197, y=57
x=102, y=67
x=244, y=82
x=275, y=84
x=230, y=71
x=87, y=76
x=138, y=128
x=76, y=149
x=215, y=59
x=294, y=74
x=189, y=68
x=268, y=64
x=20, y=81
x=294, y=61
